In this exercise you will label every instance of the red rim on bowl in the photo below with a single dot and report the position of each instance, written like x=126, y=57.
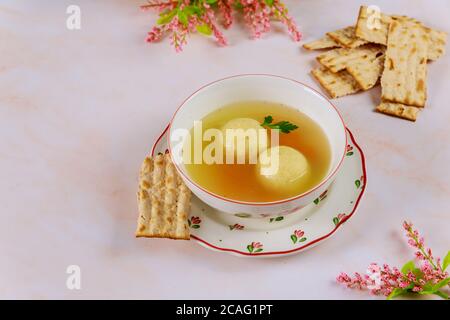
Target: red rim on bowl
x=331, y=175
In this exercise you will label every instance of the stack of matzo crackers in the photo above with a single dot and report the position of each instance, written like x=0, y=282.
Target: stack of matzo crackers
x=393, y=48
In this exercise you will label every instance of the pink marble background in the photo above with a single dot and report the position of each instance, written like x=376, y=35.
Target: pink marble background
x=79, y=110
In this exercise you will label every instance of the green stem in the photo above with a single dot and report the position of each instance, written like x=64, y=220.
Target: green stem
x=420, y=247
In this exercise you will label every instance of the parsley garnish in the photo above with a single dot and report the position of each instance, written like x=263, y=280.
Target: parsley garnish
x=283, y=126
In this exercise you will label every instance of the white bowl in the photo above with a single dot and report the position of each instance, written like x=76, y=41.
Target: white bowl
x=267, y=88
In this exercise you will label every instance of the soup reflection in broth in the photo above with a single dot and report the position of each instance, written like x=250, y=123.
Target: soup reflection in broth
x=303, y=160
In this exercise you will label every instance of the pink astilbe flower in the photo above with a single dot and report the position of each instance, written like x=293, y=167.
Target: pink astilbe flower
x=286, y=19
x=178, y=34
x=159, y=5
x=209, y=18
x=429, y=278
x=257, y=16
x=431, y=267
x=155, y=34
x=226, y=10
x=184, y=17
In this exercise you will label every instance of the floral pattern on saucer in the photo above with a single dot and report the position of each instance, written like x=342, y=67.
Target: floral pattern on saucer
x=298, y=236
x=255, y=247
x=194, y=222
x=281, y=235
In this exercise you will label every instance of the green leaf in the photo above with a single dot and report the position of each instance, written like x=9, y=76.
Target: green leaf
x=283, y=126
x=204, y=29
x=357, y=183
x=316, y=201
x=250, y=248
x=396, y=292
x=279, y=218
x=258, y=250
x=427, y=288
x=441, y=294
x=166, y=18
x=190, y=10
x=446, y=261
x=271, y=219
x=269, y=2
x=335, y=221
x=182, y=16
x=409, y=266
x=195, y=226
x=268, y=120
x=441, y=284
x=350, y=153
x=302, y=240
x=294, y=238
x=238, y=6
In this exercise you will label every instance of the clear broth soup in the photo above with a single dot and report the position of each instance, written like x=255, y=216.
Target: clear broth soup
x=242, y=182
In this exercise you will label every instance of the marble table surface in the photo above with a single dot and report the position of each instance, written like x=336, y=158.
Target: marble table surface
x=79, y=110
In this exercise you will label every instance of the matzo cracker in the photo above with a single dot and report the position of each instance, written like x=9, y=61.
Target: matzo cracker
x=163, y=199
x=336, y=84
x=405, y=68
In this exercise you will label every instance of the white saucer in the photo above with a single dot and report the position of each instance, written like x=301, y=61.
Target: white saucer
x=286, y=235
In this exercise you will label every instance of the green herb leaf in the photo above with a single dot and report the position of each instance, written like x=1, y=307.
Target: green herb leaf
x=302, y=240
x=283, y=126
x=268, y=120
x=250, y=248
x=258, y=250
x=279, y=218
x=211, y=1
x=446, y=261
x=316, y=201
x=357, y=183
x=195, y=226
x=409, y=266
x=166, y=18
x=204, y=29
x=269, y=2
